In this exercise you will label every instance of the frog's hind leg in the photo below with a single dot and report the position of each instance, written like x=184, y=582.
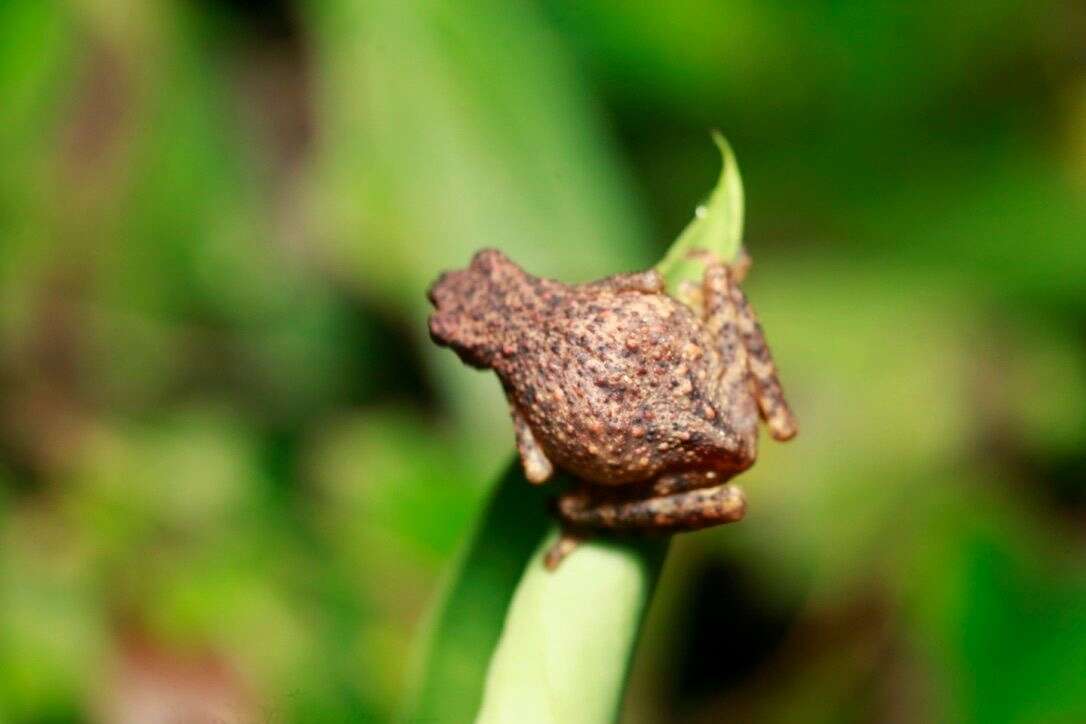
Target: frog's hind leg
x=537, y=466
x=730, y=318
x=674, y=503
x=679, y=508
x=771, y=403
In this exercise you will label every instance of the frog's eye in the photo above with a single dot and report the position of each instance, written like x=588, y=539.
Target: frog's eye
x=489, y=260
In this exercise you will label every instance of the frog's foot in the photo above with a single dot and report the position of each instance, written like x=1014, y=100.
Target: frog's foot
x=740, y=266
x=646, y=282
x=537, y=466
x=672, y=512
x=567, y=541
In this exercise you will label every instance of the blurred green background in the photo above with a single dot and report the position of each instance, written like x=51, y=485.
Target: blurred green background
x=233, y=468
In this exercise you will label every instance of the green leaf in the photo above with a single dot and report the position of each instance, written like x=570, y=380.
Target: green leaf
x=516, y=642
x=569, y=638
x=717, y=226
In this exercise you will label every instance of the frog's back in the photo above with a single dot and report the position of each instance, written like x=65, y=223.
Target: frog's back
x=614, y=385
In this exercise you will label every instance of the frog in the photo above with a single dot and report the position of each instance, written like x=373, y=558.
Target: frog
x=651, y=405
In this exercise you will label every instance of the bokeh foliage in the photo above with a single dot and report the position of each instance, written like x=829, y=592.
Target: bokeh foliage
x=233, y=468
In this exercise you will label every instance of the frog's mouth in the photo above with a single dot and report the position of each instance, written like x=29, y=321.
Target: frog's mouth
x=447, y=294
x=442, y=330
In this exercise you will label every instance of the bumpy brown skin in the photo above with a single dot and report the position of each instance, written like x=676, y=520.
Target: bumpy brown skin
x=653, y=407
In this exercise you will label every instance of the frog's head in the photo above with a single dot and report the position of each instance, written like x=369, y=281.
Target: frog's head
x=472, y=306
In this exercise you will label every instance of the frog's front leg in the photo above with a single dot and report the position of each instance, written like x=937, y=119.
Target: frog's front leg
x=674, y=503
x=537, y=466
x=731, y=320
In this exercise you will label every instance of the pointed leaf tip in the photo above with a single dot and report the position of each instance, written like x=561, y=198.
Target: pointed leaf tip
x=717, y=226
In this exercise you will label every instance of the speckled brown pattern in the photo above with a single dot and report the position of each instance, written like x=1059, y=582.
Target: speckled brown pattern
x=621, y=385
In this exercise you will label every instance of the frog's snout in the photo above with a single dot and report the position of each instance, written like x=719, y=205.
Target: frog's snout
x=443, y=295
x=453, y=295
x=447, y=330
x=431, y=293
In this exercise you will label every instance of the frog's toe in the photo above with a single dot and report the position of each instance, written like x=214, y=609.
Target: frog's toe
x=567, y=542
x=537, y=468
